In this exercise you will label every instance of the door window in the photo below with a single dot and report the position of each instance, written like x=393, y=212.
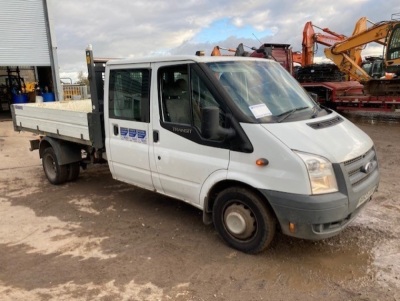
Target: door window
x=175, y=97
x=184, y=95
x=129, y=94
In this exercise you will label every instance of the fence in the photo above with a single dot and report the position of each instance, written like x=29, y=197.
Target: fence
x=75, y=92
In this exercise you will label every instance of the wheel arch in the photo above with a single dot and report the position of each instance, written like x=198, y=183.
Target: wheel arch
x=222, y=185
x=66, y=152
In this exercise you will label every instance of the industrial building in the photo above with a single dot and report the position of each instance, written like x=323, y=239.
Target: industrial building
x=28, y=53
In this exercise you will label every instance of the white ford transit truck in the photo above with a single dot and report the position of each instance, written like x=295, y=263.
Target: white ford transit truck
x=236, y=137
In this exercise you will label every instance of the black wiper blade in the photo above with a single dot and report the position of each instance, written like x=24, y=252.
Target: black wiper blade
x=285, y=115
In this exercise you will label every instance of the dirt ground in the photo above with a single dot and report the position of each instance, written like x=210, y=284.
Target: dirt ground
x=98, y=239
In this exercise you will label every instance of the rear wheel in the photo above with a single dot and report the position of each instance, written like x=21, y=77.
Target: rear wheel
x=243, y=220
x=55, y=173
x=73, y=171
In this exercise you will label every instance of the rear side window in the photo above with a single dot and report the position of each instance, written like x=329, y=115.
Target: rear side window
x=129, y=94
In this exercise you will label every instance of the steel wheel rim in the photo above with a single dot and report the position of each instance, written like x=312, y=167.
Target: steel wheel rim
x=239, y=221
x=51, y=168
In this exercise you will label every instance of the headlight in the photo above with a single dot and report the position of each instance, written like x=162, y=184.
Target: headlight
x=320, y=171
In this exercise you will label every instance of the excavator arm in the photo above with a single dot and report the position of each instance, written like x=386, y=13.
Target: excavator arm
x=310, y=38
x=386, y=33
x=355, y=53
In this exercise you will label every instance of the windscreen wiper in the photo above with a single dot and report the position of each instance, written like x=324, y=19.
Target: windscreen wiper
x=316, y=110
x=285, y=115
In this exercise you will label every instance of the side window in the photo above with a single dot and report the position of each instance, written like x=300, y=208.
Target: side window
x=129, y=94
x=175, y=100
x=393, y=51
x=202, y=98
x=184, y=95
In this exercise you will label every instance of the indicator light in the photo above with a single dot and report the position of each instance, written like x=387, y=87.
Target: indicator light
x=262, y=162
x=292, y=228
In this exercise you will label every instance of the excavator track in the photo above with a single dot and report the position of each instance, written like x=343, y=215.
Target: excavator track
x=382, y=87
x=319, y=73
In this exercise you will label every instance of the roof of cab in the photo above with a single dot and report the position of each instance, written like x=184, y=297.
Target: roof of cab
x=178, y=58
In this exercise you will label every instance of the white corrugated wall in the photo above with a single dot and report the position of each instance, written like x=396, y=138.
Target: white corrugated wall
x=23, y=35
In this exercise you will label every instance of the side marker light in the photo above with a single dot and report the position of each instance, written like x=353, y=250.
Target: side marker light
x=292, y=228
x=262, y=162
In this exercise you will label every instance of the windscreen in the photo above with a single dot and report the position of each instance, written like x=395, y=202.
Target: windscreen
x=263, y=90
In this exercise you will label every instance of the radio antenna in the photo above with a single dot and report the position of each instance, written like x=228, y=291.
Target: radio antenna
x=257, y=38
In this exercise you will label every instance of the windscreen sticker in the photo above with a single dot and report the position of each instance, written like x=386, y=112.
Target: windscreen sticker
x=260, y=110
x=133, y=135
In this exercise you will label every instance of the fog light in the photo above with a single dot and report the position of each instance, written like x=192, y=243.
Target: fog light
x=292, y=227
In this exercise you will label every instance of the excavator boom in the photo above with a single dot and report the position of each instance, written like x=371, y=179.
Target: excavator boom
x=310, y=38
x=387, y=33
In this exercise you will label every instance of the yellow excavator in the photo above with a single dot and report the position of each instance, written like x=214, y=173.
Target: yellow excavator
x=386, y=33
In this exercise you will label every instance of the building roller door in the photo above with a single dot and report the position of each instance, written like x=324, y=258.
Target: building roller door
x=24, y=39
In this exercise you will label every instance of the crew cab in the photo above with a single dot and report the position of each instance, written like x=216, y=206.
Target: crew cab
x=236, y=137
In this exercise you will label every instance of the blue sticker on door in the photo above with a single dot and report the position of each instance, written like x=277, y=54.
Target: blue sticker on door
x=133, y=135
x=124, y=133
x=142, y=136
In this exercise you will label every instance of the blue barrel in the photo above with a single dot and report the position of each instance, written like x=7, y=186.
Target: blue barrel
x=48, y=96
x=20, y=98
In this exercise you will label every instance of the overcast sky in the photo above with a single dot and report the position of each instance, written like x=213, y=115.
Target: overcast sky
x=136, y=28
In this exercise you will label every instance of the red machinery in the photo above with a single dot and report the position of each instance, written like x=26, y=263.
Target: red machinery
x=282, y=53
x=328, y=80
x=363, y=93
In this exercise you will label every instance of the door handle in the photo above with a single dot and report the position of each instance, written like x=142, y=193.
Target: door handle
x=116, y=131
x=156, y=136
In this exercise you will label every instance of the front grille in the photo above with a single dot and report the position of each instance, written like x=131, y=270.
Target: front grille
x=359, y=169
x=326, y=123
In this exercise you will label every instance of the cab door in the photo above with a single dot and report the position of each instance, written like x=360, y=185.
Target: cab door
x=128, y=124
x=183, y=159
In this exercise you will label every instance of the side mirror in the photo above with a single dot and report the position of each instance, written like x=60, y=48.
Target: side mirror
x=210, y=128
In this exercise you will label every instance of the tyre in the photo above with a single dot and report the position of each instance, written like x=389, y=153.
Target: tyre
x=73, y=171
x=243, y=220
x=55, y=173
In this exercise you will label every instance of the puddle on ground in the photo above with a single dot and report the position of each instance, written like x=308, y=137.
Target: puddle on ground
x=384, y=245
x=359, y=258
x=374, y=118
x=387, y=263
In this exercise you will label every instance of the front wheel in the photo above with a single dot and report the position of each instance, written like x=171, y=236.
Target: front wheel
x=243, y=220
x=55, y=173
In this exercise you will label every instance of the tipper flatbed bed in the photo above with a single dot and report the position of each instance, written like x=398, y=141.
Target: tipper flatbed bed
x=67, y=120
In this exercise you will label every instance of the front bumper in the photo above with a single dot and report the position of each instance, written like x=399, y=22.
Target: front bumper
x=314, y=217
x=321, y=216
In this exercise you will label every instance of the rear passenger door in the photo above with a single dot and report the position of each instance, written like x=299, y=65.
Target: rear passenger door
x=128, y=124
